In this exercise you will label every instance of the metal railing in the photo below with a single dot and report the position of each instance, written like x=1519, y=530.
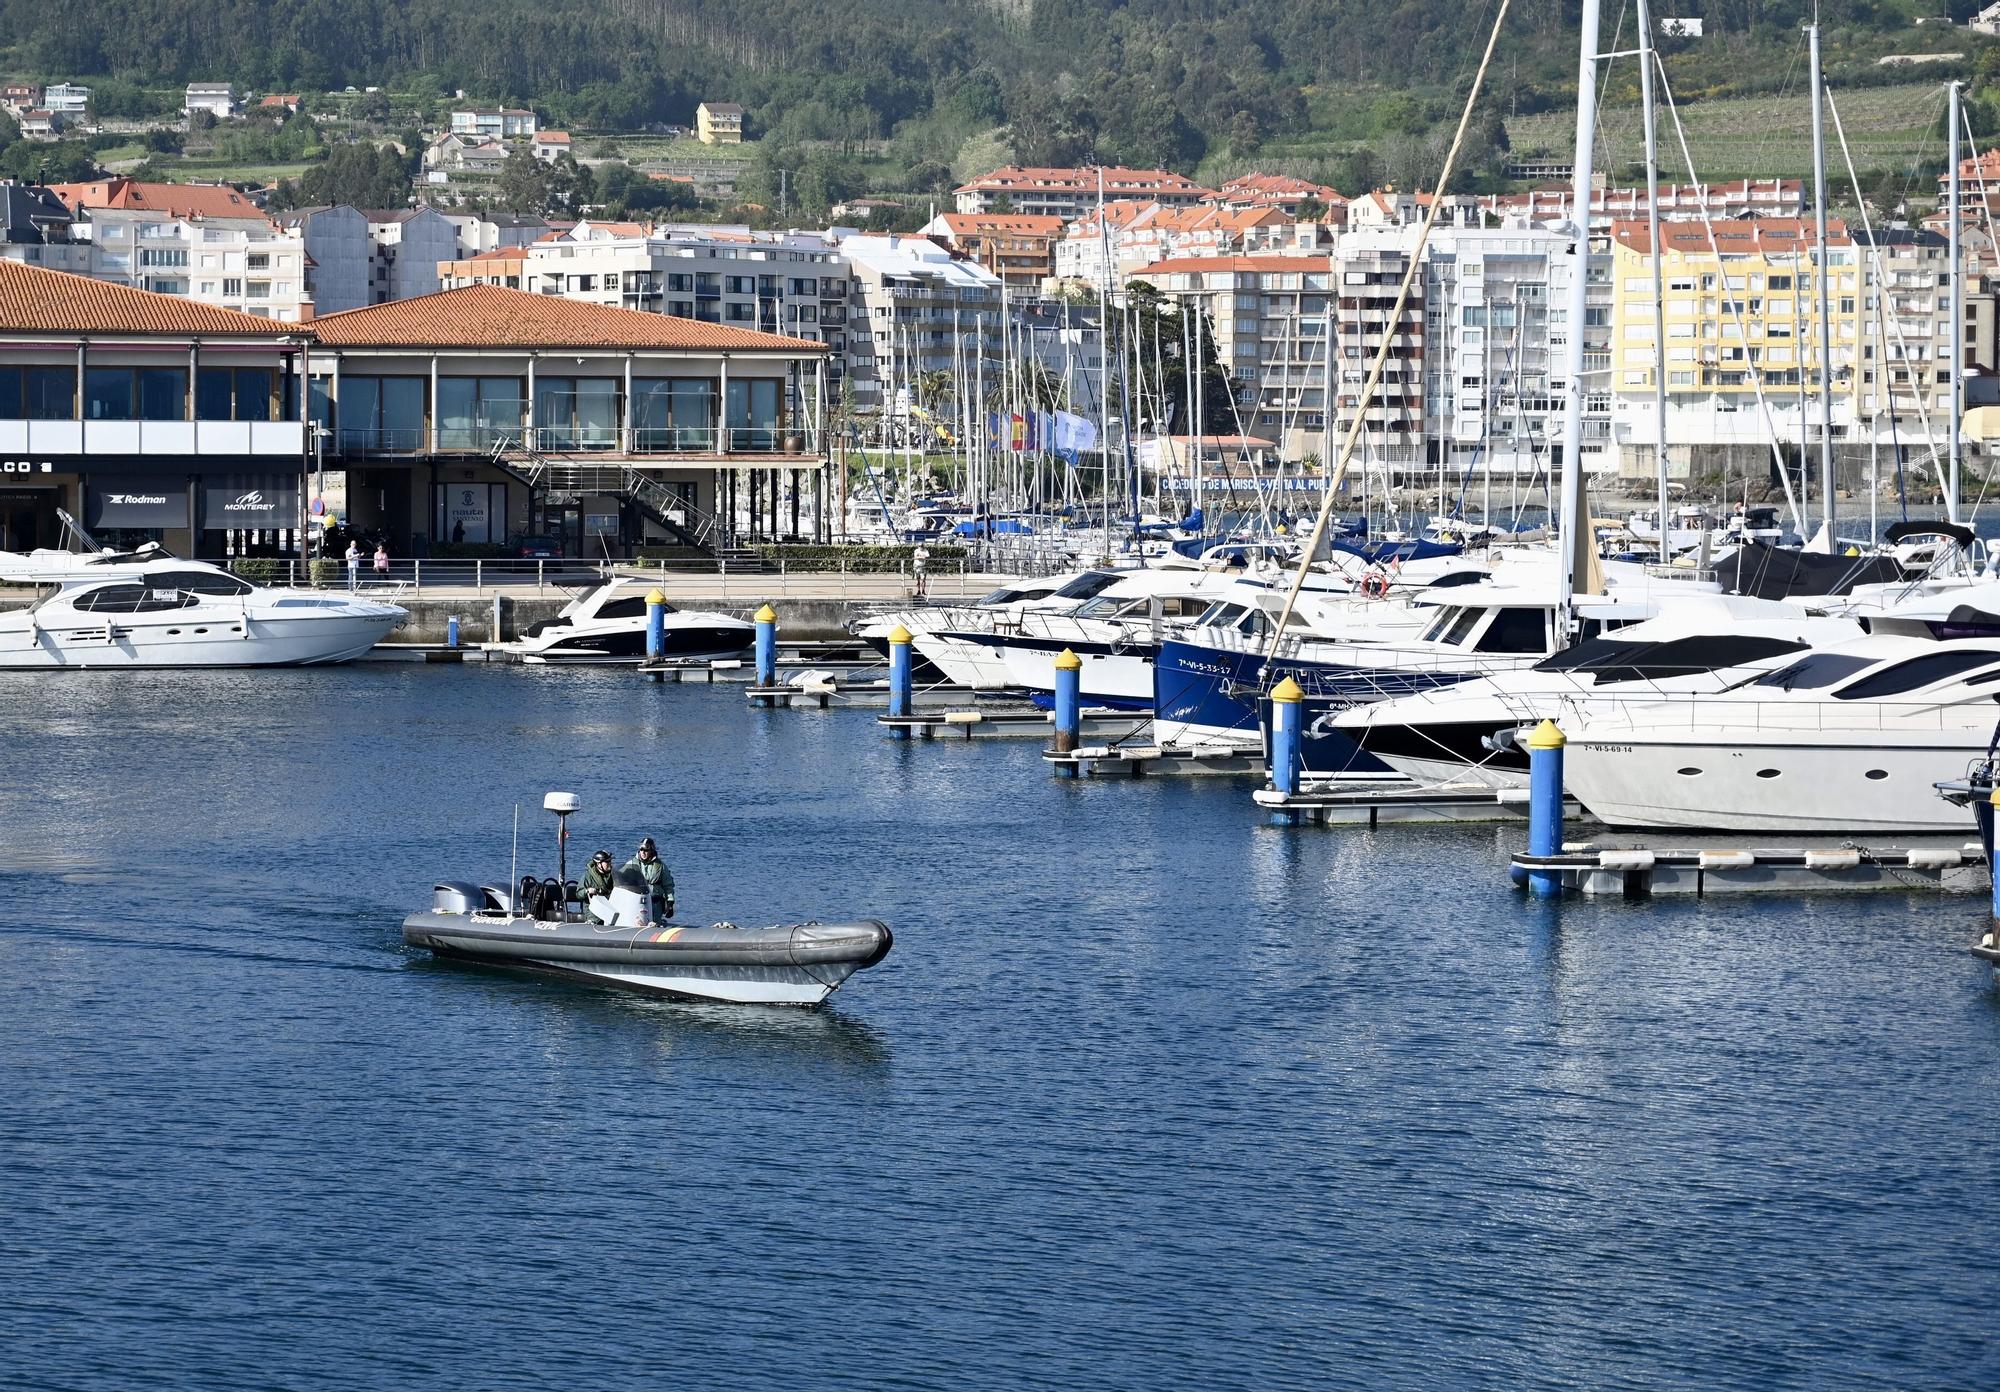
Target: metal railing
x=767, y=440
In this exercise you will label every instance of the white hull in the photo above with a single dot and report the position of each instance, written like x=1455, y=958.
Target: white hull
x=967, y=664
x=1123, y=677
x=734, y=985
x=175, y=640
x=1768, y=784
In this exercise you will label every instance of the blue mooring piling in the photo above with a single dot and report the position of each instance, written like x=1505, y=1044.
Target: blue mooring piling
x=767, y=646
x=451, y=631
x=1069, y=708
x=1989, y=815
x=656, y=626
x=1287, y=744
x=1545, y=805
x=899, y=680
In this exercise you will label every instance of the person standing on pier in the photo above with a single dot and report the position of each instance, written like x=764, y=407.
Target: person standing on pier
x=382, y=560
x=920, y=561
x=353, y=565
x=659, y=880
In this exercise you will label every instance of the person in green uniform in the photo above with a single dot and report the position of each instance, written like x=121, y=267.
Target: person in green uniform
x=659, y=880
x=596, y=878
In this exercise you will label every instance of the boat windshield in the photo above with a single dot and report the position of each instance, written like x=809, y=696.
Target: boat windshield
x=1100, y=608
x=1917, y=672
x=1004, y=595
x=1220, y=614
x=1088, y=585
x=1817, y=670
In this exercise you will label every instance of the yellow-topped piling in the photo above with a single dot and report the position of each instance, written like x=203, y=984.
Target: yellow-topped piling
x=1546, y=736
x=1066, y=661
x=655, y=596
x=764, y=615
x=899, y=635
x=1288, y=691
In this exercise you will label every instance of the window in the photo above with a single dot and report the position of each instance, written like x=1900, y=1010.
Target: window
x=162, y=393
x=258, y=290
x=478, y=413
x=753, y=413
x=258, y=261
x=133, y=599
x=673, y=413
x=232, y=288
x=1809, y=673
x=577, y=412
x=107, y=393
x=1515, y=631
x=379, y=413
x=38, y=393
x=1917, y=672
x=235, y=393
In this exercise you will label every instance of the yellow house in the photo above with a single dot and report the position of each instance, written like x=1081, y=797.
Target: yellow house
x=719, y=123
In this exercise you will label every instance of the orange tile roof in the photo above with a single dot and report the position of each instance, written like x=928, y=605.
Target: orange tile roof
x=1739, y=238
x=1179, y=265
x=1083, y=179
x=36, y=300
x=1280, y=186
x=175, y=200
x=988, y=224
x=490, y=316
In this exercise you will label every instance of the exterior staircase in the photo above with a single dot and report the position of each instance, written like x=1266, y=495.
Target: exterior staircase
x=565, y=478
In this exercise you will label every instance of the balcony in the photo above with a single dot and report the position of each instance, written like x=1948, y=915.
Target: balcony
x=502, y=442
x=109, y=438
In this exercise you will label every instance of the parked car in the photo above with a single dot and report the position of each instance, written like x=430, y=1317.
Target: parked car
x=537, y=548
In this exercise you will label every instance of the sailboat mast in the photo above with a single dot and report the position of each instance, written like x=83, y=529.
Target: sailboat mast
x=1575, y=526
x=1825, y=284
x=1104, y=356
x=1957, y=306
x=1659, y=264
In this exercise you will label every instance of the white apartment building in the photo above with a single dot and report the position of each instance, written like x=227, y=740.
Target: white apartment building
x=1495, y=385
x=1070, y=193
x=791, y=283
x=242, y=264
x=915, y=308
x=494, y=122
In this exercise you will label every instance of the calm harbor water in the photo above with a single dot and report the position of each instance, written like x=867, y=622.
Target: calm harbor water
x=1148, y=1095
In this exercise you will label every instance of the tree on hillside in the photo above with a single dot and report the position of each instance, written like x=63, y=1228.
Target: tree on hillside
x=361, y=175
x=524, y=182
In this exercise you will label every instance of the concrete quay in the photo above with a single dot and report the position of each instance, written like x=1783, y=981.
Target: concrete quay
x=810, y=607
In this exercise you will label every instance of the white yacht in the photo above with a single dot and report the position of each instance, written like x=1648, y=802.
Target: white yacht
x=1850, y=738
x=116, y=610
x=1461, y=734
x=1115, y=632
x=607, y=624
x=1001, y=606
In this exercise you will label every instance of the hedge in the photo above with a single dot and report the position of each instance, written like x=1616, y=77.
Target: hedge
x=877, y=559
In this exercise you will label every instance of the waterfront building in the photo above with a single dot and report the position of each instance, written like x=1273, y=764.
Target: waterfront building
x=719, y=123
x=147, y=416
x=1070, y=193
x=1017, y=247
x=1268, y=325
x=244, y=264
x=478, y=413
x=914, y=308
x=1742, y=354
x=1495, y=394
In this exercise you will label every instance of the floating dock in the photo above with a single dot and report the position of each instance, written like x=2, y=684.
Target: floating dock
x=1644, y=871
x=1376, y=801
x=1133, y=758
x=1009, y=722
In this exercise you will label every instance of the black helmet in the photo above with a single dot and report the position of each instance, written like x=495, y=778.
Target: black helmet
x=647, y=845
x=604, y=856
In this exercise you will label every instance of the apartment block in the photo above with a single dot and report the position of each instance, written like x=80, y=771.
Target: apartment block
x=915, y=308
x=1070, y=193
x=218, y=99
x=1144, y=233
x=1017, y=247
x=494, y=122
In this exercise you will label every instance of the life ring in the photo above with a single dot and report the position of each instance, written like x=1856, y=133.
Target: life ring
x=1374, y=584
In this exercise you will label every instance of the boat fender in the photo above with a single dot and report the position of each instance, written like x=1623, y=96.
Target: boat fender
x=1374, y=585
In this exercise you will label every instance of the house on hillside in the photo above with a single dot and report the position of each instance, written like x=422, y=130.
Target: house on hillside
x=550, y=146
x=218, y=99
x=494, y=122
x=719, y=123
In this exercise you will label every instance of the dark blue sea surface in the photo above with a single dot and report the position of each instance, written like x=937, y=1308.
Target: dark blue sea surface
x=1148, y=1094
